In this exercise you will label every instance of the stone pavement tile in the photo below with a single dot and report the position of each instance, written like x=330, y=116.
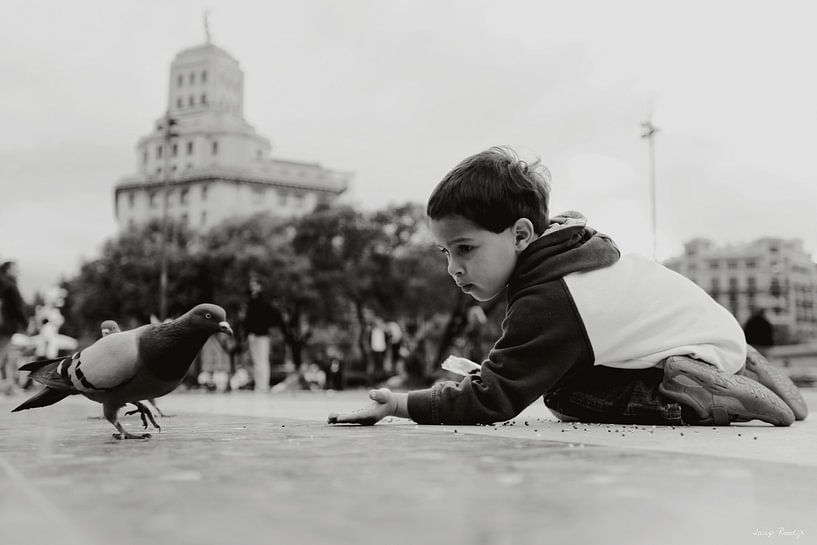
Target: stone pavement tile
x=212, y=478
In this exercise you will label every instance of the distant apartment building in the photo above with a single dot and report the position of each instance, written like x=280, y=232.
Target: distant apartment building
x=770, y=273
x=209, y=162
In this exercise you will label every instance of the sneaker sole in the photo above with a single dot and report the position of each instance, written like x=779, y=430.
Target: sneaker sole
x=740, y=397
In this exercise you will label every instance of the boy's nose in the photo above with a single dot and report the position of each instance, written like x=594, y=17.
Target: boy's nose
x=454, y=269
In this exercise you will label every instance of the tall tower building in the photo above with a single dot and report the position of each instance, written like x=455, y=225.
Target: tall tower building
x=208, y=161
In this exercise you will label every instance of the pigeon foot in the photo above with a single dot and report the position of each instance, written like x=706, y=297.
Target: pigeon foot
x=126, y=435
x=146, y=415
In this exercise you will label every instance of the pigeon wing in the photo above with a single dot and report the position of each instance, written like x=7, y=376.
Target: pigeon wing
x=108, y=363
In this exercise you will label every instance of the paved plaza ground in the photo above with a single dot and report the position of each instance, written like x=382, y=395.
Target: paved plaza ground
x=242, y=468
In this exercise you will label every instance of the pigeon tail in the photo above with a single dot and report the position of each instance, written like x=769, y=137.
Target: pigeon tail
x=43, y=398
x=51, y=373
x=36, y=365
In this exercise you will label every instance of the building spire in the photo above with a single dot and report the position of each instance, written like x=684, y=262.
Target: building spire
x=207, y=25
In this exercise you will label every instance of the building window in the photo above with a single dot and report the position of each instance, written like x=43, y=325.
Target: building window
x=215, y=147
x=173, y=168
x=174, y=151
x=131, y=224
x=190, y=147
x=159, y=151
x=192, y=78
x=204, y=76
x=732, y=264
x=191, y=101
x=751, y=263
x=204, y=192
x=299, y=200
x=282, y=197
x=258, y=194
x=204, y=218
x=714, y=265
x=179, y=80
x=184, y=218
x=733, y=283
x=204, y=98
x=179, y=102
x=131, y=199
x=183, y=196
x=153, y=199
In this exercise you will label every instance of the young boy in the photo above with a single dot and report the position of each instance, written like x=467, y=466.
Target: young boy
x=603, y=338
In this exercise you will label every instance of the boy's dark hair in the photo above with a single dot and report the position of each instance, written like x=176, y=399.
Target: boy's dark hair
x=493, y=189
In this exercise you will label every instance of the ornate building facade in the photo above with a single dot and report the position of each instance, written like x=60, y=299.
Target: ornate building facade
x=773, y=274
x=203, y=163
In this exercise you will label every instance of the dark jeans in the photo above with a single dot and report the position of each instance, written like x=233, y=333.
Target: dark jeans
x=614, y=396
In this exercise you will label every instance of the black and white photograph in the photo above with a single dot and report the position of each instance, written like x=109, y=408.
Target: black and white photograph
x=372, y=272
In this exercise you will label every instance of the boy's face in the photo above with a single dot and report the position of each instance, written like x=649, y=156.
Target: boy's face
x=479, y=261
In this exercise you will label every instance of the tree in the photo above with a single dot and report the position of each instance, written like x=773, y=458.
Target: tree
x=123, y=283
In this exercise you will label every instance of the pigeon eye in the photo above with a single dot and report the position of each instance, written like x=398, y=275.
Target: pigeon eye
x=207, y=315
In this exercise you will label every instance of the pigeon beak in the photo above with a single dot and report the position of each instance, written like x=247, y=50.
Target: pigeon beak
x=224, y=327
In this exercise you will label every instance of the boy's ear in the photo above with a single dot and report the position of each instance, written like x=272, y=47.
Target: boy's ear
x=523, y=233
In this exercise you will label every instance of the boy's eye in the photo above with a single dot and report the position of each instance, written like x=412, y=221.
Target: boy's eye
x=464, y=249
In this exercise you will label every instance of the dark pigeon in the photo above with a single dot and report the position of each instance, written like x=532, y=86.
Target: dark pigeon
x=126, y=367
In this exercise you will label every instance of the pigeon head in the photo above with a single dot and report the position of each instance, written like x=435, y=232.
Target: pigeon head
x=109, y=326
x=208, y=318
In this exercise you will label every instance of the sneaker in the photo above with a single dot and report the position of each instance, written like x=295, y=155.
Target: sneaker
x=775, y=379
x=720, y=398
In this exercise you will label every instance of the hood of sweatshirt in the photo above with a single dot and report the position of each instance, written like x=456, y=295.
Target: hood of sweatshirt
x=567, y=246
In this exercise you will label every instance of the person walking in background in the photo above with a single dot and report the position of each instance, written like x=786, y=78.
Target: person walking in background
x=759, y=332
x=12, y=320
x=378, y=346
x=395, y=337
x=260, y=316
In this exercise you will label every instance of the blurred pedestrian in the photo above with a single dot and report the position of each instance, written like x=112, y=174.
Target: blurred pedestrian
x=759, y=332
x=378, y=346
x=12, y=319
x=395, y=337
x=260, y=316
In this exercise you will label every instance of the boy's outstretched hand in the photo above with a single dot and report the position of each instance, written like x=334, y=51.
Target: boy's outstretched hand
x=383, y=403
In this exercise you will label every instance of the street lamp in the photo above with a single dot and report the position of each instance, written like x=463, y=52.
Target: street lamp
x=648, y=132
x=168, y=128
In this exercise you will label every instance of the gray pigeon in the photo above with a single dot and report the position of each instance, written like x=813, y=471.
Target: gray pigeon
x=111, y=326
x=142, y=363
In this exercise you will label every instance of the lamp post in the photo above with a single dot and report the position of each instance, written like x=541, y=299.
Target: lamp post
x=648, y=132
x=168, y=128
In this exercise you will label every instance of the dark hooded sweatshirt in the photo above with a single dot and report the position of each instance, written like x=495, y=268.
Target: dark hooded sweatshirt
x=543, y=337
x=574, y=302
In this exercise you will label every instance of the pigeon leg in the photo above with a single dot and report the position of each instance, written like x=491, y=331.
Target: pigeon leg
x=156, y=407
x=111, y=412
x=146, y=415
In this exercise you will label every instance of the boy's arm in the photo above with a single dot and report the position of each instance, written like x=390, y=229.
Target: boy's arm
x=384, y=403
x=544, y=339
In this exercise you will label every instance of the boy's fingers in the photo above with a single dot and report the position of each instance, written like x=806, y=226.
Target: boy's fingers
x=381, y=395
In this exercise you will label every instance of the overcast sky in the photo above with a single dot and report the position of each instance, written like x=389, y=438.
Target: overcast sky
x=398, y=92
